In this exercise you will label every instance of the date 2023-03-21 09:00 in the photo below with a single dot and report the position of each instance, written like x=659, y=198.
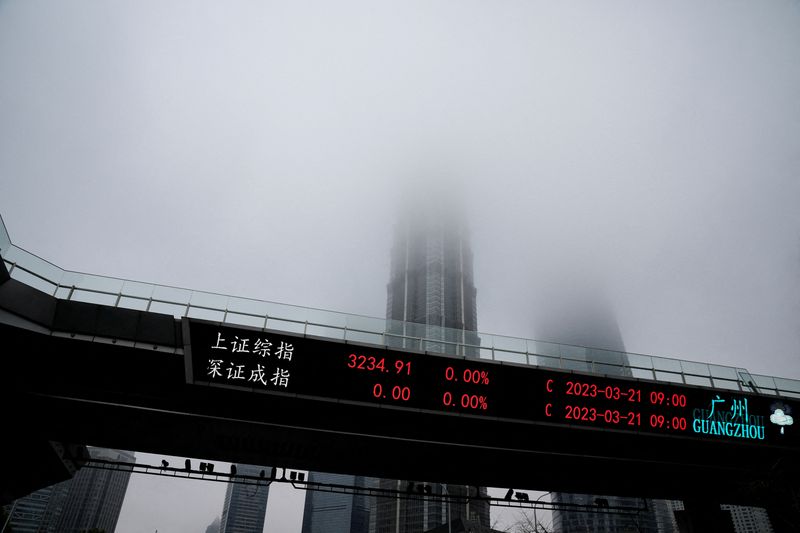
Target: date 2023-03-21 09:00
x=277, y=362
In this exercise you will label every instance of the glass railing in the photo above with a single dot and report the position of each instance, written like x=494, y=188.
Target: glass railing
x=5, y=240
x=67, y=285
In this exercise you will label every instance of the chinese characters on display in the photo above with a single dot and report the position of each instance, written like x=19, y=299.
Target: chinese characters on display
x=260, y=362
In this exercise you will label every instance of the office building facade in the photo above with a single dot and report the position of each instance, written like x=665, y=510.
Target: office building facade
x=430, y=294
x=245, y=505
x=327, y=512
x=90, y=500
x=93, y=498
x=431, y=291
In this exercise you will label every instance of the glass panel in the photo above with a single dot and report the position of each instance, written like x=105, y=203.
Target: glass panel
x=549, y=362
x=326, y=318
x=5, y=240
x=133, y=303
x=764, y=382
x=788, y=385
x=358, y=336
x=79, y=295
x=573, y=364
x=641, y=373
x=510, y=357
x=392, y=341
x=471, y=340
x=746, y=380
x=209, y=299
x=726, y=372
x=483, y=340
x=134, y=288
x=662, y=363
x=288, y=312
x=62, y=293
x=249, y=307
x=697, y=380
x=510, y=344
x=611, y=370
x=417, y=331
x=175, y=310
x=607, y=357
x=245, y=320
x=484, y=353
x=100, y=284
x=639, y=361
x=36, y=265
x=71, y=279
x=573, y=352
x=206, y=314
x=700, y=369
x=32, y=281
x=668, y=377
x=324, y=331
x=726, y=384
x=171, y=294
x=363, y=323
x=14, y=254
x=436, y=347
x=282, y=325
x=543, y=348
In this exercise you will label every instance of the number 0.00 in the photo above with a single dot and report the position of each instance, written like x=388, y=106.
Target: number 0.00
x=401, y=393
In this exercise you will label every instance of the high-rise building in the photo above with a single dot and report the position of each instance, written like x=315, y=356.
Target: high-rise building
x=577, y=316
x=27, y=514
x=245, y=504
x=93, y=498
x=431, y=294
x=213, y=527
x=749, y=519
x=743, y=519
x=90, y=500
x=332, y=512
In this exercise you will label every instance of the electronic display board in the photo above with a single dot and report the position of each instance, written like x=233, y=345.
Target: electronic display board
x=275, y=362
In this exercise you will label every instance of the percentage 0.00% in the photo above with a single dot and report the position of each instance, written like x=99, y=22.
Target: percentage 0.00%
x=478, y=377
x=468, y=401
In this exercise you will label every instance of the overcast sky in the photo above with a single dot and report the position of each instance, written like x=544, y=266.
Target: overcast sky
x=256, y=148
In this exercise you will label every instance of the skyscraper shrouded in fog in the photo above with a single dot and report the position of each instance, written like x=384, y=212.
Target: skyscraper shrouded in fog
x=430, y=294
x=245, y=505
x=576, y=315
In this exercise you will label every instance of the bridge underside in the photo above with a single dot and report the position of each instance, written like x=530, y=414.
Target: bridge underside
x=64, y=379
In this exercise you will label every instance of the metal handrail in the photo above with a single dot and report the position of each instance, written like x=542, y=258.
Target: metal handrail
x=69, y=285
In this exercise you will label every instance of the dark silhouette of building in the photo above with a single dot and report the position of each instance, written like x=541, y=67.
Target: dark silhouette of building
x=90, y=500
x=333, y=512
x=462, y=526
x=245, y=505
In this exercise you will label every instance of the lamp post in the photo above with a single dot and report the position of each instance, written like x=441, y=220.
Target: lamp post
x=535, y=518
